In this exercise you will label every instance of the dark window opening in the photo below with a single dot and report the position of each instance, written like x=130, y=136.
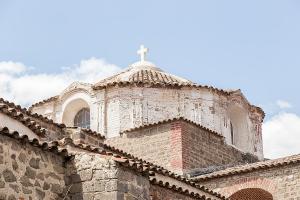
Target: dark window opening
x=82, y=118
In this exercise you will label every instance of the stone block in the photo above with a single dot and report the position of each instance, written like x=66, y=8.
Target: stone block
x=30, y=173
x=9, y=176
x=25, y=181
x=34, y=163
x=84, y=175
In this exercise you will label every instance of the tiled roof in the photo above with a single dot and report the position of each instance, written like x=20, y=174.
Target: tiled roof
x=172, y=120
x=30, y=114
x=250, y=168
x=146, y=74
x=89, y=132
x=26, y=121
x=180, y=190
x=46, y=146
x=44, y=101
x=143, y=76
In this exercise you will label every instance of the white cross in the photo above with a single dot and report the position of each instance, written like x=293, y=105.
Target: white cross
x=142, y=52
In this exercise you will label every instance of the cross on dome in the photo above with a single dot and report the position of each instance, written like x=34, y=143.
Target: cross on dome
x=142, y=52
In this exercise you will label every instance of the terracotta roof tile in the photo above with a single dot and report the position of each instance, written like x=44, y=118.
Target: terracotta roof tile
x=30, y=114
x=46, y=146
x=26, y=121
x=180, y=190
x=250, y=168
x=43, y=101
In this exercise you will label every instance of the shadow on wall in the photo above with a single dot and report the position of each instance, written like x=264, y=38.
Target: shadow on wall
x=239, y=128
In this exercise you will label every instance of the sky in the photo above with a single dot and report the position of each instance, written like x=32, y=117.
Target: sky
x=251, y=45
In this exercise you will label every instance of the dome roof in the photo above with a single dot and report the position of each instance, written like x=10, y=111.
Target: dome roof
x=143, y=72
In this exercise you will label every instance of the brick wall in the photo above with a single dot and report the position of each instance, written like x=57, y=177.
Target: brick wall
x=152, y=144
x=281, y=182
x=28, y=172
x=203, y=149
x=179, y=146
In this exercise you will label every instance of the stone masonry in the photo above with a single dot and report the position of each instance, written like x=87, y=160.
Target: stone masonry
x=28, y=172
x=93, y=177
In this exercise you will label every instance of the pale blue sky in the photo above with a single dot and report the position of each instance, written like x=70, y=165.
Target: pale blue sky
x=252, y=45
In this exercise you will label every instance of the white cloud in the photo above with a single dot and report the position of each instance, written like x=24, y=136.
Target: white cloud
x=10, y=67
x=281, y=135
x=283, y=104
x=19, y=83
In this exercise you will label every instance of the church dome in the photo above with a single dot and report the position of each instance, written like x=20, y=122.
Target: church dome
x=143, y=72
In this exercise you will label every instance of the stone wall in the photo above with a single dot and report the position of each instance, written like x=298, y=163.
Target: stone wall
x=179, y=146
x=28, y=172
x=93, y=177
x=281, y=182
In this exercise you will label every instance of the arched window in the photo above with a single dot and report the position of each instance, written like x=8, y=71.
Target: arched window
x=82, y=118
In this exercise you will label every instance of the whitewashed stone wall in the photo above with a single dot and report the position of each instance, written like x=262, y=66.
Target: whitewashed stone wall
x=116, y=109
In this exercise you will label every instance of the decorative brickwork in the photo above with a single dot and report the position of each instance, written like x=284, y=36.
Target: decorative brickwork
x=282, y=182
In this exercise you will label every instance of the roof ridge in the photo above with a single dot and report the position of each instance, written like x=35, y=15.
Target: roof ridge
x=30, y=114
x=171, y=120
x=180, y=190
x=19, y=116
x=250, y=167
x=50, y=146
x=43, y=101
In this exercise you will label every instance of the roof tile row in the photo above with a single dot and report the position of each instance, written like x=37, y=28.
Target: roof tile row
x=249, y=168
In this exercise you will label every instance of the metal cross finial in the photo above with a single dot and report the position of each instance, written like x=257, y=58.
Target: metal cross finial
x=142, y=52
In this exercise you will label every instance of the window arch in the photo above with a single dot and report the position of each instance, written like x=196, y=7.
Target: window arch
x=82, y=118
